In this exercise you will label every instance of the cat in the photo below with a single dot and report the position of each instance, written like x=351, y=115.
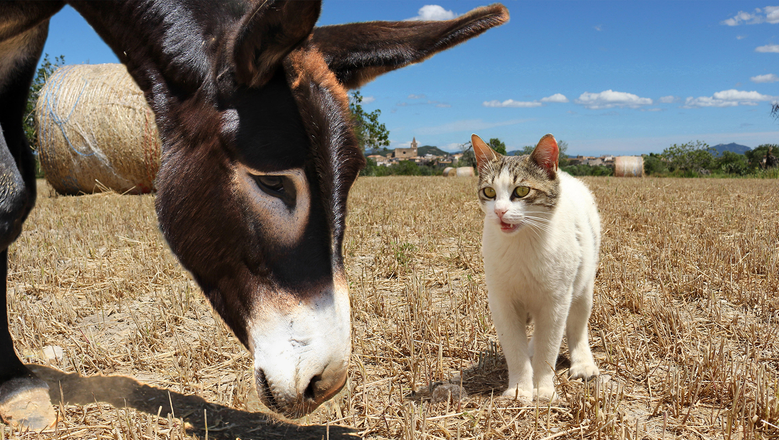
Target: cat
x=541, y=247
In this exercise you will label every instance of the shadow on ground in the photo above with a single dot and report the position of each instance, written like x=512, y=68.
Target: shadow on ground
x=489, y=376
x=125, y=392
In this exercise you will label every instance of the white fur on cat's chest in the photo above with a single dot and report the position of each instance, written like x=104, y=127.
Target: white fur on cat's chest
x=529, y=265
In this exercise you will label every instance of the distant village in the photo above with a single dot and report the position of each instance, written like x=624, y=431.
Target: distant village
x=412, y=153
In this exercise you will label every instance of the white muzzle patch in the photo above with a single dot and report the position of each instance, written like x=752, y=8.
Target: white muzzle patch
x=301, y=354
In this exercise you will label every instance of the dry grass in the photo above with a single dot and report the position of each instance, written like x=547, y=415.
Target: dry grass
x=685, y=327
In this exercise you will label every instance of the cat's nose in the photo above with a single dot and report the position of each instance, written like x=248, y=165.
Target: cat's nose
x=500, y=213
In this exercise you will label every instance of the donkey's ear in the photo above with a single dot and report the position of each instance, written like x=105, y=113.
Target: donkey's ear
x=266, y=34
x=484, y=154
x=545, y=155
x=359, y=52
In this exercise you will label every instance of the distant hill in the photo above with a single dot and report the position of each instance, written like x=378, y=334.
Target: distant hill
x=429, y=149
x=733, y=147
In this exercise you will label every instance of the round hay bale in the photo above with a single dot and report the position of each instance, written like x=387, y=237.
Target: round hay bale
x=96, y=132
x=629, y=166
x=465, y=172
x=448, y=172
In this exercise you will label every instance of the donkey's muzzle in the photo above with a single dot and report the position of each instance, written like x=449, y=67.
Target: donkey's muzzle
x=319, y=389
x=301, y=354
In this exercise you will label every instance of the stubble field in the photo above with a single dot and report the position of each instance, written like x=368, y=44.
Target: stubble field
x=685, y=326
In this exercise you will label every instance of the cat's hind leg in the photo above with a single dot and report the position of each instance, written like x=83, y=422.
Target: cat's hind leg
x=582, y=363
x=509, y=320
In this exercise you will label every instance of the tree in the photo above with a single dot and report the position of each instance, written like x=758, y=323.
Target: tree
x=756, y=155
x=371, y=134
x=497, y=145
x=775, y=110
x=525, y=151
x=654, y=164
x=732, y=163
x=44, y=72
x=690, y=156
x=468, y=158
x=562, y=157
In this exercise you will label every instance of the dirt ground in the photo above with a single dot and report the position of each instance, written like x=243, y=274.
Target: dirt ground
x=685, y=327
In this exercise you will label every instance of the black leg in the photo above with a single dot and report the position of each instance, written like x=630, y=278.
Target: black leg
x=10, y=365
x=24, y=398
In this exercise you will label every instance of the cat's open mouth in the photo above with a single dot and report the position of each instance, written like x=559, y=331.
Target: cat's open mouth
x=505, y=227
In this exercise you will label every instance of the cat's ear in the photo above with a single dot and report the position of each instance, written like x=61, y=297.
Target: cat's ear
x=484, y=154
x=545, y=155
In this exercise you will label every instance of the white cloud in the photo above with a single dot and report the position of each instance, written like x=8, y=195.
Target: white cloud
x=742, y=18
x=610, y=99
x=433, y=13
x=557, y=97
x=768, y=78
x=740, y=37
x=704, y=101
x=598, y=28
x=368, y=99
x=667, y=99
x=512, y=103
x=727, y=98
x=769, y=14
x=416, y=96
x=769, y=48
x=772, y=14
x=738, y=95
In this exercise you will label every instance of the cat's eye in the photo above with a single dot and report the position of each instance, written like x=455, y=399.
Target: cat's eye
x=489, y=192
x=521, y=191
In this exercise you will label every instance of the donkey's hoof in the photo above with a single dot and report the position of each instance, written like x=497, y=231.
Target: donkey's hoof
x=25, y=404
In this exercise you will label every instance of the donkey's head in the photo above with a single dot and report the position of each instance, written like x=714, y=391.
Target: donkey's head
x=253, y=187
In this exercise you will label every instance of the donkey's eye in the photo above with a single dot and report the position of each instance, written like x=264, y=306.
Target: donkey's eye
x=273, y=185
x=489, y=192
x=521, y=191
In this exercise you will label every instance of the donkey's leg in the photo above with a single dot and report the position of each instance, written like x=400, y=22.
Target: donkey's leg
x=24, y=399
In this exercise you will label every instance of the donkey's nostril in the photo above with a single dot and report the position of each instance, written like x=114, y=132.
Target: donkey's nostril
x=312, y=389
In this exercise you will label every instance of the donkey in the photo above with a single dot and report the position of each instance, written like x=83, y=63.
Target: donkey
x=258, y=157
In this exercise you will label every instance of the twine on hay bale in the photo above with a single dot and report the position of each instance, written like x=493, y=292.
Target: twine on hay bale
x=629, y=166
x=96, y=131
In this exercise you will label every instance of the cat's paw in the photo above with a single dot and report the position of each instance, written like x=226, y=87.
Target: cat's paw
x=584, y=371
x=545, y=394
x=517, y=393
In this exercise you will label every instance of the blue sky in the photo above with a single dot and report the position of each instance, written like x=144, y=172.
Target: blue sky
x=608, y=77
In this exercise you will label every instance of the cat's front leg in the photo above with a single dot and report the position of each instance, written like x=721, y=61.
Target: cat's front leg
x=547, y=337
x=510, y=322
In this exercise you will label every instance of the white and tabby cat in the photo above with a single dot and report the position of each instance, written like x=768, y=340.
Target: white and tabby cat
x=540, y=245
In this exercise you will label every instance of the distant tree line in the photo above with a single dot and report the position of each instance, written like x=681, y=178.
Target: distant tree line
x=693, y=159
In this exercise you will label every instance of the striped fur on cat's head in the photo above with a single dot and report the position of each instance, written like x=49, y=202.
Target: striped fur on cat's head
x=518, y=191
